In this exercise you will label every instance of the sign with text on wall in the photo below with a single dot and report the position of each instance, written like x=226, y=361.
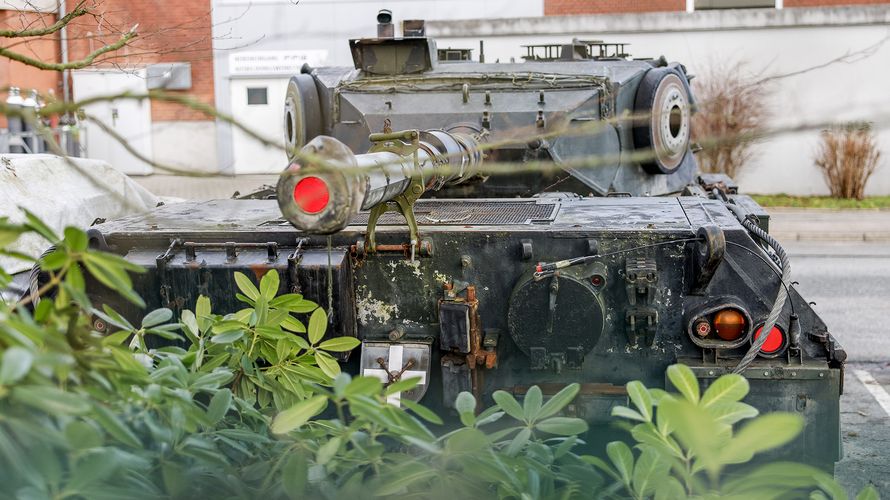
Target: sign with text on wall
x=273, y=62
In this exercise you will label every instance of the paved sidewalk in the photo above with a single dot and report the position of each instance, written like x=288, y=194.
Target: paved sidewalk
x=818, y=224
x=787, y=224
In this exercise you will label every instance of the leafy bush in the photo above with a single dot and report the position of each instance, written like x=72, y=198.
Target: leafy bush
x=252, y=404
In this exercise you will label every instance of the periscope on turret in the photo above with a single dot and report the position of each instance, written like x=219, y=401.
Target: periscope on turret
x=610, y=260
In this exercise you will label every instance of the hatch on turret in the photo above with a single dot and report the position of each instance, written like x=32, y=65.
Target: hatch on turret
x=388, y=55
x=576, y=50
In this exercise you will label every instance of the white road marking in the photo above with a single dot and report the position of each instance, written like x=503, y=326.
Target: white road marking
x=876, y=390
x=394, y=363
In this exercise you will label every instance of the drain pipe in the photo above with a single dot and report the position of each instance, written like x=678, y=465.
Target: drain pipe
x=63, y=42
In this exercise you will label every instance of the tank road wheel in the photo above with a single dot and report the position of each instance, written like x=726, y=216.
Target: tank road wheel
x=302, y=114
x=663, y=111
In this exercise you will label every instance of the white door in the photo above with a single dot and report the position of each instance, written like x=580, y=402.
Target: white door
x=129, y=118
x=258, y=103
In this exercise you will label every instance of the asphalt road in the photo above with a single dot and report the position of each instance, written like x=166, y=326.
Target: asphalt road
x=850, y=283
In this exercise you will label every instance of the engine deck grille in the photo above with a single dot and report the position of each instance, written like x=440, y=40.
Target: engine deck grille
x=464, y=212
x=469, y=212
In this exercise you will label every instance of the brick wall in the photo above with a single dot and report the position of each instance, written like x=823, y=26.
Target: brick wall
x=169, y=31
x=568, y=7
x=16, y=74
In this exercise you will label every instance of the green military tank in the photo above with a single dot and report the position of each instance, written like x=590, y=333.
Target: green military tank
x=493, y=226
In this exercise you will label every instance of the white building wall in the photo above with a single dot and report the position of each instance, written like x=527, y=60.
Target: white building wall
x=769, y=42
x=310, y=25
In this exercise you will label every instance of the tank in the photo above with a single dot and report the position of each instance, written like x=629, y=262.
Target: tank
x=398, y=212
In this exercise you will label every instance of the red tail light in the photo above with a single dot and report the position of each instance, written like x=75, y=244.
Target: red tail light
x=774, y=342
x=311, y=194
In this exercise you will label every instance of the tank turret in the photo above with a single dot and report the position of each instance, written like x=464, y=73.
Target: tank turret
x=608, y=124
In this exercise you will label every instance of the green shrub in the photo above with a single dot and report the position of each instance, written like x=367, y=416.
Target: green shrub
x=254, y=405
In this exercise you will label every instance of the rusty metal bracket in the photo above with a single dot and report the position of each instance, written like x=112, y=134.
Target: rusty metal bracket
x=480, y=350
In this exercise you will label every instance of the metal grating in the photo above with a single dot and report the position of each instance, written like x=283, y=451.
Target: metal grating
x=469, y=212
x=464, y=212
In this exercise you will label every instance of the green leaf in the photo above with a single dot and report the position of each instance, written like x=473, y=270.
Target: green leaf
x=269, y=284
x=697, y=431
x=51, y=400
x=625, y=412
x=190, y=325
x=406, y=384
x=219, y=406
x=531, y=403
x=227, y=337
x=622, y=458
x=559, y=400
x=640, y=397
x=157, y=317
x=114, y=427
x=295, y=475
x=202, y=313
x=562, y=426
x=508, y=403
x=34, y=223
x=465, y=404
x=868, y=493
x=728, y=388
x=82, y=436
x=731, y=412
x=646, y=434
x=294, y=417
x=519, y=441
x=246, y=286
x=92, y=468
x=272, y=333
x=112, y=317
x=16, y=364
x=293, y=324
x=318, y=323
x=421, y=411
x=365, y=386
x=327, y=451
x=54, y=260
x=9, y=233
x=340, y=344
x=327, y=363
x=670, y=489
x=649, y=472
x=761, y=434
x=75, y=239
x=779, y=478
x=407, y=474
x=112, y=275
x=685, y=382
x=489, y=416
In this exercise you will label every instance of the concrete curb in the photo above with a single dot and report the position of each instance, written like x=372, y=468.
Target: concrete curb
x=851, y=236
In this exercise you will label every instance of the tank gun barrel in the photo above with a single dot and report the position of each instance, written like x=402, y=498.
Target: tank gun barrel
x=328, y=184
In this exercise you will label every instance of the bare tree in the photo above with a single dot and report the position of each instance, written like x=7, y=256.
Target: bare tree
x=730, y=106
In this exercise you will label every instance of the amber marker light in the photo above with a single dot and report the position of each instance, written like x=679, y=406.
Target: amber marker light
x=729, y=324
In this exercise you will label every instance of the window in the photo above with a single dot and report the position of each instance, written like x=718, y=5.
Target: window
x=257, y=96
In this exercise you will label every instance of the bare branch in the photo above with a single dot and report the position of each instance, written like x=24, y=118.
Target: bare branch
x=86, y=61
x=78, y=11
